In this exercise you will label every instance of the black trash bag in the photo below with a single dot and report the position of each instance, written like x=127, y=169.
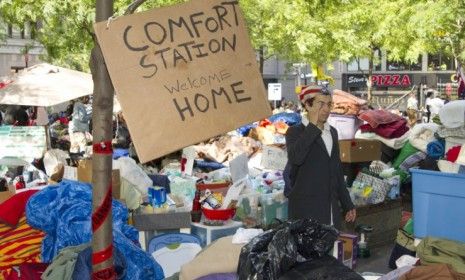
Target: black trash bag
x=313, y=239
x=272, y=254
x=326, y=267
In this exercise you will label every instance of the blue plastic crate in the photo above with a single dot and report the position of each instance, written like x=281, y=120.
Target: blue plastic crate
x=438, y=204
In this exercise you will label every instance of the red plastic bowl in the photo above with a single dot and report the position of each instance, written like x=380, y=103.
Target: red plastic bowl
x=219, y=214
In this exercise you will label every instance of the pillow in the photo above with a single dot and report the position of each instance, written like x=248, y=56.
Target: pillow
x=13, y=208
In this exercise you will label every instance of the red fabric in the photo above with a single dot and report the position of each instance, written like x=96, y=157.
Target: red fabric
x=64, y=120
x=453, y=153
x=13, y=208
x=378, y=117
x=390, y=131
x=28, y=271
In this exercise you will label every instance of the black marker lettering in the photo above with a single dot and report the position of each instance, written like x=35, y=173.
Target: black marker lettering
x=181, y=111
x=239, y=92
x=126, y=42
x=144, y=65
x=182, y=22
x=219, y=93
x=200, y=53
x=231, y=45
x=206, y=102
x=147, y=33
x=195, y=23
x=162, y=56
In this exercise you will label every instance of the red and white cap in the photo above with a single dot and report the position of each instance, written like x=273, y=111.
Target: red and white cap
x=309, y=92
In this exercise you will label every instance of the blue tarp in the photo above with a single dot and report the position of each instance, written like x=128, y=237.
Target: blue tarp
x=63, y=212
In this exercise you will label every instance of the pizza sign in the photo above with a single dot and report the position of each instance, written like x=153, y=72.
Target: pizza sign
x=380, y=80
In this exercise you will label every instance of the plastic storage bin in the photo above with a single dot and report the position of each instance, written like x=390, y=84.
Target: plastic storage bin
x=208, y=234
x=274, y=206
x=438, y=204
x=346, y=126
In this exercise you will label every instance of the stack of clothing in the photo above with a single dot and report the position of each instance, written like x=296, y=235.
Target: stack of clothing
x=453, y=120
x=454, y=161
x=347, y=104
x=382, y=125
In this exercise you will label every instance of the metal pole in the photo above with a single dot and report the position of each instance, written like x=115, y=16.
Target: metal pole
x=102, y=238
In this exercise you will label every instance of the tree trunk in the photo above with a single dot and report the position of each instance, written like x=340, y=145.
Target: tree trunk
x=102, y=238
x=370, y=74
x=261, y=54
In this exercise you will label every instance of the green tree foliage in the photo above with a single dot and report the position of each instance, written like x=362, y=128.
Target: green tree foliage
x=435, y=26
x=65, y=26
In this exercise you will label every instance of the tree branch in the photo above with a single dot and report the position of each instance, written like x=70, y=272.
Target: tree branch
x=133, y=7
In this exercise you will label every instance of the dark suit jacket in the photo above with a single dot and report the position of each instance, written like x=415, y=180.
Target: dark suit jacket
x=317, y=178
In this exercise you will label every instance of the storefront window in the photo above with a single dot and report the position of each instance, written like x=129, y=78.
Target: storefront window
x=440, y=62
x=362, y=64
x=402, y=66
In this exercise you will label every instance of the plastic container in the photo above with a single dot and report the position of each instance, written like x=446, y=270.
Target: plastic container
x=438, y=204
x=274, y=206
x=219, y=214
x=346, y=126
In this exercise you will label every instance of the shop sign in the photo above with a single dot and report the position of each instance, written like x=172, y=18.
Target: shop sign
x=380, y=80
x=183, y=74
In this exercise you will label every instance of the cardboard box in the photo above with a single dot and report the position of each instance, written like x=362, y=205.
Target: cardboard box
x=84, y=174
x=5, y=195
x=359, y=150
x=349, y=247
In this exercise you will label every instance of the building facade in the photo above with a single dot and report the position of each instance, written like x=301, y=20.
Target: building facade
x=392, y=80
x=17, y=48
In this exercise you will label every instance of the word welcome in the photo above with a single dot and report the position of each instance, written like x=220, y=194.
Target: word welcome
x=196, y=83
x=203, y=102
x=195, y=27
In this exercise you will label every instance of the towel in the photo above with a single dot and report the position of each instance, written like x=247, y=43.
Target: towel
x=390, y=130
x=378, y=117
x=422, y=134
x=436, y=149
x=396, y=143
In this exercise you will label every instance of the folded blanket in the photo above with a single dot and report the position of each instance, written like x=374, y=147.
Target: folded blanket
x=412, y=161
x=422, y=134
x=458, y=132
x=436, y=149
x=377, y=117
x=340, y=96
x=450, y=167
x=390, y=130
x=396, y=143
x=19, y=245
x=452, y=114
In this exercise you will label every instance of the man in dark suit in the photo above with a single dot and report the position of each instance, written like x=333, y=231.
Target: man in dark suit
x=317, y=190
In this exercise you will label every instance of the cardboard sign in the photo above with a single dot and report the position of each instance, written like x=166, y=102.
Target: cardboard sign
x=274, y=92
x=274, y=158
x=183, y=74
x=239, y=168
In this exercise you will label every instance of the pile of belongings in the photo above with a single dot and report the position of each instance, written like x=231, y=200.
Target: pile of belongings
x=52, y=227
x=382, y=125
x=347, y=104
x=20, y=243
x=452, y=131
x=436, y=258
x=376, y=183
x=294, y=250
x=271, y=130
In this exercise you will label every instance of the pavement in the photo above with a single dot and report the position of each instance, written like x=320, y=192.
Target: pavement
x=377, y=262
